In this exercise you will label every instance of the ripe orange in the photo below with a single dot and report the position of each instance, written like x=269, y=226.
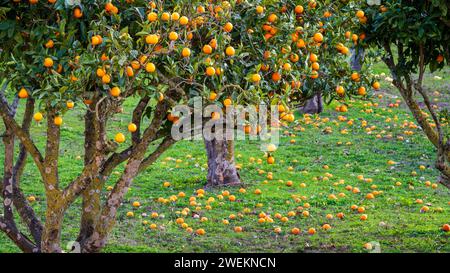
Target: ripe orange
x=363, y=217
x=295, y=231
x=100, y=72
x=175, y=16
x=256, y=78
x=360, y=14
x=77, y=13
x=173, y=36
x=186, y=52
x=70, y=104
x=287, y=67
x=340, y=90
x=270, y=160
x=313, y=57
x=48, y=62
x=106, y=79
x=271, y=147
x=152, y=16
x=119, y=138
x=272, y=18
x=446, y=227
x=326, y=227
x=130, y=71
x=104, y=57
x=184, y=20
x=228, y=27
x=238, y=229
x=38, y=117
x=213, y=43
x=318, y=37
x=370, y=196
x=299, y=9
x=362, y=91
x=210, y=71
x=212, y=96
x=215, y=115
x=150, y=67
x=227, y=102
x=96, y=40
x=376, y=85
x=311, y=231
x=58, y=121
x=247, y=129
x=230, y=51
x=200, y=9
x=49, y=44
x=132, y=127
x=109, y=7
x=23, y=93
x=152, y=39
x=276, y=76
x=294, y=58
x=259, y=9
x=200, y=232
x=165, y=16
x=301, y=43
x=160, y=96
x=207, y=49
x=315, y=66
x=355, y=76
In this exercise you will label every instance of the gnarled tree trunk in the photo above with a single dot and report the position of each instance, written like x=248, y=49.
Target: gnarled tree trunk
x=221, y=166
x=314, y=105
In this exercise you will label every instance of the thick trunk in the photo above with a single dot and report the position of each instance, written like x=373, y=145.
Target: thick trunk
x=91, y=196
x=107, y=216
x=357, y=59
x=91, y=206
x=51, y=235
x=221, y=166
x=314, y=105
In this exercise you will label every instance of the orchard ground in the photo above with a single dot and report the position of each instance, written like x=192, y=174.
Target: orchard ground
x=328, y=155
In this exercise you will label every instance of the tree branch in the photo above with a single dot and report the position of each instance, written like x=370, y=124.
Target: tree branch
x=17, y=237
x=137, y=118
x=162, y=147
x=22, y=135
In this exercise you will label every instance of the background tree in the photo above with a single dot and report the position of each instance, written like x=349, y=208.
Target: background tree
x=414, y=37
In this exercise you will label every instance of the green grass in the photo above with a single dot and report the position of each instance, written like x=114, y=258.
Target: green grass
x=394, y=218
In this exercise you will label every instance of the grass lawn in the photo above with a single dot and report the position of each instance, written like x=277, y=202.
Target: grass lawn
x=319, y=164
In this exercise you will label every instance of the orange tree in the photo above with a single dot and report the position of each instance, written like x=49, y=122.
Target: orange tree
x=293, y=51
x=414, y=36
x=91, y=56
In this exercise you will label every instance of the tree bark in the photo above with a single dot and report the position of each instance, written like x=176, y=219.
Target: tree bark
x=314, y=105
x=51, y=235
x=221, y=166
